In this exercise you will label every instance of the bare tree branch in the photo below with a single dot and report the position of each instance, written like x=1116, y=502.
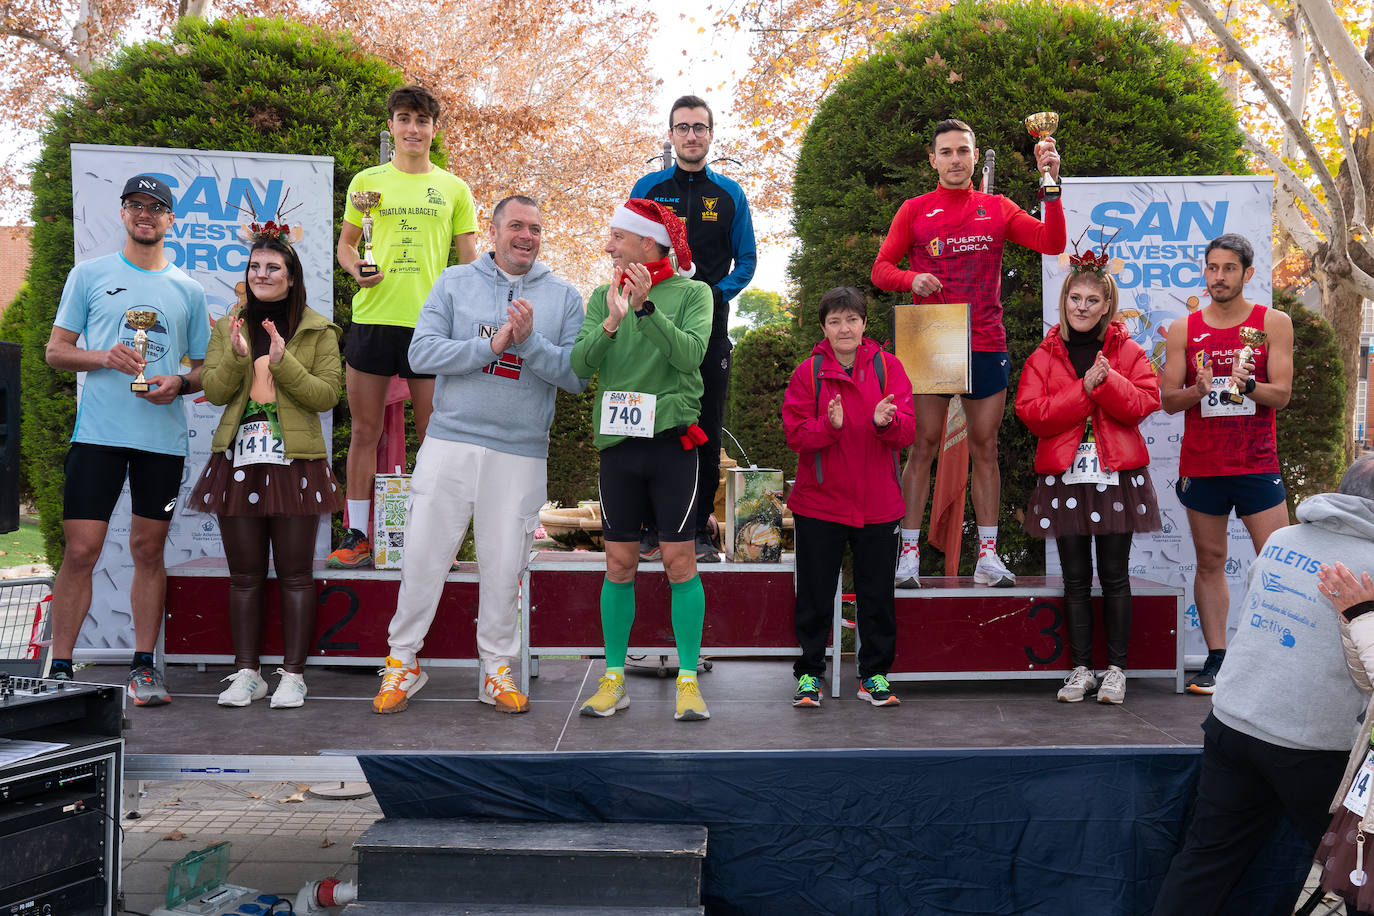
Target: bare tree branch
x=1352, y=162
x=1291, y=184
x=47, y=44
x=1330, y=33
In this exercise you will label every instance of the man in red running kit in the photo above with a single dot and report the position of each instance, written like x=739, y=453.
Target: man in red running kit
x=1229, y=456
x=952, y=239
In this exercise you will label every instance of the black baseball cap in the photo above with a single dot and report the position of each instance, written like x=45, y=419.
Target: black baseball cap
x=147, y=184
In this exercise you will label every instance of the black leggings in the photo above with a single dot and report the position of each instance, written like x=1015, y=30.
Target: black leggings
x=1113, y=572
x=293, y=554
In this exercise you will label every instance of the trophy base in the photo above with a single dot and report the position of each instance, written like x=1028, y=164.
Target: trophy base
x=368, y=270
x=1051, y=191
x=1230, y=397
x=140, y=387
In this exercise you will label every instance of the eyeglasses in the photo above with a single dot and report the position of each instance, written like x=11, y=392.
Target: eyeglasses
x=698, y=128
x=155, y=208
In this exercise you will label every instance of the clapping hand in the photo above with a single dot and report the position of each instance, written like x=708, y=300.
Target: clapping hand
x=520, y=317
x=884, y=411
x=277, y=347
x=836, y=412
x=1203, y=385
x=236, y=338
x=1097, y=373
x=1342, y=588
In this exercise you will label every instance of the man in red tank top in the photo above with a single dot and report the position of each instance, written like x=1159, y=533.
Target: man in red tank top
x=1229, y=457
x=952, y=239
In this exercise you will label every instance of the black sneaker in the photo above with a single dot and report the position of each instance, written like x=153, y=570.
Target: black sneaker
x=1205, y=681
x=808, y=691
x=648, y=546
x=707, y=552
x=878, y=691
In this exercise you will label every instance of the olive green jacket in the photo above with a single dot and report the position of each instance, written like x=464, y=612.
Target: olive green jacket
x=307, y=380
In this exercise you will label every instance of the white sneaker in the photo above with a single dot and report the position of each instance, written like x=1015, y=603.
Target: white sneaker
x=245, y=686
x=290, y=691
x=992, y=571
x=1113, y=689
x=909, y=566
x=1079, y=683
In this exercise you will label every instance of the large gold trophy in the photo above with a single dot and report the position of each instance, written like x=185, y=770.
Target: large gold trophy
x=141, y=320
x=366, y=202
x=1253, y=338
x=1041, y=125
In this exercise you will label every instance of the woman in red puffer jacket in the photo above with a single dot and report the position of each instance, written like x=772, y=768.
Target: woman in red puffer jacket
x=1083, y=393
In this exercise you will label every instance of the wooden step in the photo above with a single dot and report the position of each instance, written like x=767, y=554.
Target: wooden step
x=531, y=863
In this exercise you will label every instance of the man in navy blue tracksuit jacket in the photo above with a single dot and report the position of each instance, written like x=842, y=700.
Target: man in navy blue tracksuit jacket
x=720, y=233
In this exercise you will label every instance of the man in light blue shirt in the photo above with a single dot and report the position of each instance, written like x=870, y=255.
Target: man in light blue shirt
x=124, y=431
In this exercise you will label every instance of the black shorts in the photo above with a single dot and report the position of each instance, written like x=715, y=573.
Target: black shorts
x=95, y=479
x=643, y=479
x=991, y=373
x=1246, y=493
x=380, y=349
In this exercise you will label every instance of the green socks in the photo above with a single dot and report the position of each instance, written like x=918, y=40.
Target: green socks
x=689, y=615
x=617, y=616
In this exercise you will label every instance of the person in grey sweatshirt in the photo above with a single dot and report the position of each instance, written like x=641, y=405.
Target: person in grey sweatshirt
x=497, y=333
x=1285, y=709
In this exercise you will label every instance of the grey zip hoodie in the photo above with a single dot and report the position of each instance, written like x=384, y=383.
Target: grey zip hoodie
x=1285, y=680
x=503, y=403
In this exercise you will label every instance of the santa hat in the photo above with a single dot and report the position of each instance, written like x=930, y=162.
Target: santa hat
x=653, y=220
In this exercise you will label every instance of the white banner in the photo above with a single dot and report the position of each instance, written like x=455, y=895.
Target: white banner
x=1161, y=227
x=215, y=193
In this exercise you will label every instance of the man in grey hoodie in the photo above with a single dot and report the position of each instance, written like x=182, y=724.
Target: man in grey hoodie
x=1285, y=710
x=498, y=334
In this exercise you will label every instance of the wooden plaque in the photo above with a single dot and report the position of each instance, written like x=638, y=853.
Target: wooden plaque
x=934, y=343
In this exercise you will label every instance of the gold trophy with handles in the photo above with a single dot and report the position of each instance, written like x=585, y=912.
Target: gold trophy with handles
x=366, y=202
x=140, y=320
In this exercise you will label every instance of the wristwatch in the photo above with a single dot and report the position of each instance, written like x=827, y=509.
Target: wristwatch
x=646, y=310
x=185, y=383
x=1250, y=385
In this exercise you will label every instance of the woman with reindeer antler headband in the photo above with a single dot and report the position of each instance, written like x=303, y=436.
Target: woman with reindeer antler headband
x=1083, y=393
x=273, y=362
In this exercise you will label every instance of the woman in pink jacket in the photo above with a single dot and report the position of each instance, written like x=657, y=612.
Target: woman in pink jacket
x=847, y=413
x=1083, y=393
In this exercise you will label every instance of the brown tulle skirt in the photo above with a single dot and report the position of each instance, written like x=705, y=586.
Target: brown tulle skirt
x=1059, y=510
x=1336, y=855
x=306, y=486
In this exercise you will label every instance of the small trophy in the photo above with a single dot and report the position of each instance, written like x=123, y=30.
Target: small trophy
x=1041, y=125
x=366, y=201
x=1253, y=337
x=141, y=320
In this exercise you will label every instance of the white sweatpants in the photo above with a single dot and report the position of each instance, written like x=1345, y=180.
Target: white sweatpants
x=453, y=481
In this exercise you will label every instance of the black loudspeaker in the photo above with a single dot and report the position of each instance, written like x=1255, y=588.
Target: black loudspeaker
x=9, y=437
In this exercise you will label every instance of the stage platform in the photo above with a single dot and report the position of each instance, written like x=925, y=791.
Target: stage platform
x=750, y=702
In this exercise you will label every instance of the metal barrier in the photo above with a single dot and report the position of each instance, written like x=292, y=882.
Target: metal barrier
x=25, y=626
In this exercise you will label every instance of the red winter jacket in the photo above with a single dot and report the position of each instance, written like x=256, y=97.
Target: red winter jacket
x=848, y=475
x=1052, y=403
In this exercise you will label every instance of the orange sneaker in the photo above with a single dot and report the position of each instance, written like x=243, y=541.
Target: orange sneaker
x=399, y=683
x=354, y=550
x=499, y=690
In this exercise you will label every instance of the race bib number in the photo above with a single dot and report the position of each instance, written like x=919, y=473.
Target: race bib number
x=628, y=413
x=1357, y=799
x=1087, y=467
x=255, y=444
x=1214, y=406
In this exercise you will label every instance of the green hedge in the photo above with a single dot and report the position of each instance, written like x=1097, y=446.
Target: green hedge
x=761, y=366
x=1311, y=430
x=1130, y=102
x=236, y=84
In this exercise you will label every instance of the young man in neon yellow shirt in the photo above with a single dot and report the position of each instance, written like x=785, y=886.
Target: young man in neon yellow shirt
x=422, y=207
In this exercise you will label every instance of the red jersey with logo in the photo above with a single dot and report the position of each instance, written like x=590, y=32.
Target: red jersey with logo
x=1215, y=446
x=958, y=236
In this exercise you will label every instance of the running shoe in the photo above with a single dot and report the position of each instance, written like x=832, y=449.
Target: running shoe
x=499, y=690
x=878, y=691
x=1080, y=682
x=992, y=571
x=610, y=695
x=399, y=684
x=1205, y=681
x=1113, y=689
x=808, y=691
x=909, y=566
x=707, y=551
x=290, y=691
x=354, y=550
x=146, y=687
x=648, y=546
x=245, y=686
x=690, y=706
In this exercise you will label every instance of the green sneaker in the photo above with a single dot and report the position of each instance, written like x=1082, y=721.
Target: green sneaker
x=808, y=691
x=878, y=691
